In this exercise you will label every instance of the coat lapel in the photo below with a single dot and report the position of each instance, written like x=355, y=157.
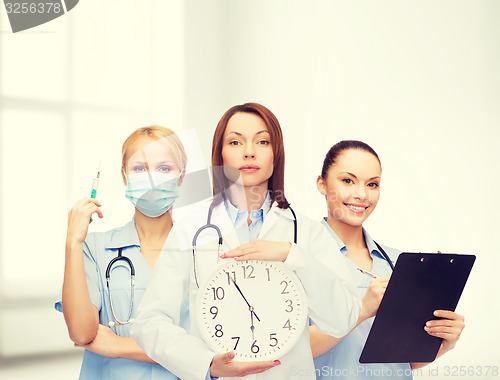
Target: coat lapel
x=270, y=221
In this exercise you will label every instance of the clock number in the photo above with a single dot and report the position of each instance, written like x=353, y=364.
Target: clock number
x=218, y=293
x=218, y=331
x=287, y=325
x=250, y=268
x=229, y=277
x=286, y=286
x=254, y=347
x=273, y=339
x=268, y=275
x=214, y=311
x=289, y=309
x=237, y=341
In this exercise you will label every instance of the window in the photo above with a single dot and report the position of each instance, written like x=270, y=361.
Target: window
x=69, y=95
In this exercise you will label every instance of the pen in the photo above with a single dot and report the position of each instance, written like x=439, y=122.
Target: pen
x=95, y=185
x=366, y=272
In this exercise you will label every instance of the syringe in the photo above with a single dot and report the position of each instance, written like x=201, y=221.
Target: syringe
x=95, y=185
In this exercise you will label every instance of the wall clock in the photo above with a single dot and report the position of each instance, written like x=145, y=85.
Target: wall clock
x=258, y=309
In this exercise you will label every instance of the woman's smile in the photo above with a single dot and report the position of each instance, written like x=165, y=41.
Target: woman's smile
x=356, y=208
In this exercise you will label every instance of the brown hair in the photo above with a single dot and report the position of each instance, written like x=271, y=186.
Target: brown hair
x=340, y=147
x=276, y=181
x=156, y=132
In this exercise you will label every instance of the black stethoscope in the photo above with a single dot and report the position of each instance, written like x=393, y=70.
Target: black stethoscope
x=217, y=229
x=132, y=281
x=386, y=256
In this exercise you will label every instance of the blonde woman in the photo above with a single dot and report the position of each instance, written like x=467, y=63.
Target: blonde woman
x=153, y=165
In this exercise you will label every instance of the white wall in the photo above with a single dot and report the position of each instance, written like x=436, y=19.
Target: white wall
x=417, y=80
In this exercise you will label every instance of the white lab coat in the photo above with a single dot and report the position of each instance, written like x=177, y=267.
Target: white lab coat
x=331, y=295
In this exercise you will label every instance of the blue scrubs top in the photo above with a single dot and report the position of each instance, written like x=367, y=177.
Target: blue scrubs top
x=342, y=361
x=99, y=249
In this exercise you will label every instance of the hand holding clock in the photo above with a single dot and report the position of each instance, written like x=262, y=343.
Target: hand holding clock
x=223, y=366
x=259, y=249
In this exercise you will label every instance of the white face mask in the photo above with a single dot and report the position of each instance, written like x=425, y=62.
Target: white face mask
x=152, y=193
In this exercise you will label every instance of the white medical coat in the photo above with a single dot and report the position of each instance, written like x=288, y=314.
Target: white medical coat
x=331, y=295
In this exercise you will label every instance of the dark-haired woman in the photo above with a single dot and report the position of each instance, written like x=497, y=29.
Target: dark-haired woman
x=350, y=181
x=251, y=209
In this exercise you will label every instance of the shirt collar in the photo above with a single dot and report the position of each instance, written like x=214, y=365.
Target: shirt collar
x=234, y=213
x=125, y=236
x=372, y=247
x=370, y=243
x=339, y=242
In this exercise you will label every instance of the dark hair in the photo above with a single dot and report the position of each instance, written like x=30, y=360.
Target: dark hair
x=340, y=147
x=276, y=181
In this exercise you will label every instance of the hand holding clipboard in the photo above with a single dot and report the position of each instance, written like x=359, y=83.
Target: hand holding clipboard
x=420, y=284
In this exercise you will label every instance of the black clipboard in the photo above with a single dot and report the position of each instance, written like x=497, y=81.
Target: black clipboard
x=420, y=284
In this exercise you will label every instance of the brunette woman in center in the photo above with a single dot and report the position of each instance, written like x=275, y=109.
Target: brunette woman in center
x=248, y=185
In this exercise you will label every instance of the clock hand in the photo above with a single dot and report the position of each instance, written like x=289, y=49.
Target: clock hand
x=250, y=307
x=252, y=327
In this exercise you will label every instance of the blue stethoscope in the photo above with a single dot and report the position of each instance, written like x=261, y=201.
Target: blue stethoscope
x=217, y=229
x=132, y=281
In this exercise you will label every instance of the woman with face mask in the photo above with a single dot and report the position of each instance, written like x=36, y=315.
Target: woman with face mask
x=253, y=214
x=153, y=165
x=350, y=181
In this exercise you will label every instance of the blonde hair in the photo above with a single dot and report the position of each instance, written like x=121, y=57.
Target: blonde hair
x=156, y=132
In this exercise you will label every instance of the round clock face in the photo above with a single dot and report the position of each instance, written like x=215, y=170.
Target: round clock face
x=257, y=309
